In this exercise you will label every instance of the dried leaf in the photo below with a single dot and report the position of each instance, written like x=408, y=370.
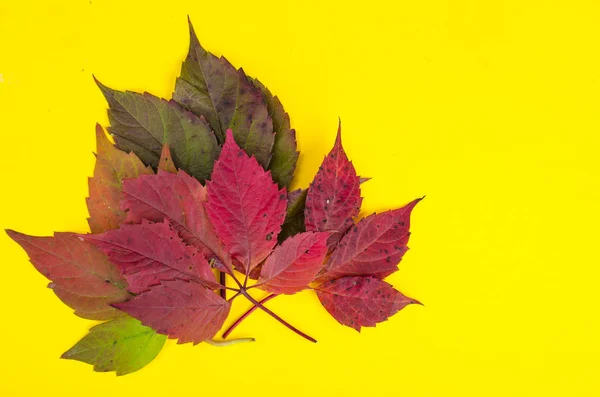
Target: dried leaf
x=165, y=162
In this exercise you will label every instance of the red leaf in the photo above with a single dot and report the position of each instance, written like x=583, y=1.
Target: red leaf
x=81, y=275
x=334, y=195
x=244, y=205
x=165, y=162
x=112, y=166
x=181, y=309
x=179, y=198
x=373, y=247
x=150, y=253
x=361, y=301
x=294, y=263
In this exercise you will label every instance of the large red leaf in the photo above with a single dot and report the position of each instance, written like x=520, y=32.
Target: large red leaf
x=244, y=205
x=149, y=253
x=361, y=301
x=373, y=247
x=181, y=309
x=294, y=263
x=179, y=198
x=112, y=166
x=334, y=195
x=82, y=277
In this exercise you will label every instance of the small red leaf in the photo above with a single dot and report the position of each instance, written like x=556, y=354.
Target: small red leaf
x=294, y=263
x=179, y=198
x=244, y=205
x=112, y=167
x=361, y=301
x=181, y=309
x=82, y=277
x=149, y=253
x=334, y=195
x=373, y=247
x=165, y=162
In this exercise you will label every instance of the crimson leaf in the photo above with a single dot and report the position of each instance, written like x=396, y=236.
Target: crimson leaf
x=244, y=205
x=333, y=197
x=81, y=275
x=294, y=264
x=177, y=197
x=211, y=87
x=361, y=301
x=180, y=309
x=149, y=253
x=373, y=247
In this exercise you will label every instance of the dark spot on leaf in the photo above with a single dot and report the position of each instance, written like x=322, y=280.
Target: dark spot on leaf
x=269, y=237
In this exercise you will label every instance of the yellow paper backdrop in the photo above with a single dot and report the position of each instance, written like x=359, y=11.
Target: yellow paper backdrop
x=490, y=108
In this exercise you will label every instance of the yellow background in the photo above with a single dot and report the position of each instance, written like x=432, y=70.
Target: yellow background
x=490, y=108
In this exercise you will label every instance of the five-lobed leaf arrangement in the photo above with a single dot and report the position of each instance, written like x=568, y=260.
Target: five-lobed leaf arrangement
x=195, y=189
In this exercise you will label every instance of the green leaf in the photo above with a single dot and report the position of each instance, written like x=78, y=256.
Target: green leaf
x=142, y=123
x=211, y=87
x=294, y=218
x=123, y=345
x=285, y=156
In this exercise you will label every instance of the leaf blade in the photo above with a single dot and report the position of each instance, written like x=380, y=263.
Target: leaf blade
x=81, y=275
x=244, y=205
x=122, y=345
x=181, y=309
x=294, y=264
x=361, y=301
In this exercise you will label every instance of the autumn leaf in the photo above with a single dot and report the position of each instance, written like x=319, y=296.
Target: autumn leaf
x=165, y=162
x=179, y=198
x=373, y=247
x=294, y=264
x=181, y=309
x=142, y=123
x=244, y=205
x=361, y=301
x=333, y=197
x=112, y=167
x=294, y=218
x=213, y=88
x=81, y=275
x=122, y=345
x=285, y=154
x=149, y=253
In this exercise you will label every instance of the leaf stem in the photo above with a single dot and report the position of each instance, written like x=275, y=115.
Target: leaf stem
x=222, y=343
x=223, y=282
x=276, y=317
x=249, y=312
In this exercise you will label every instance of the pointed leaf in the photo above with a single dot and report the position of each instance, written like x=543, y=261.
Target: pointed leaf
x=373, y=247
x=151, y=252
x=213, y=88
x=294, y=264
x=112, y=166
x=81, y=275
x=294, y=218
x=244, y=205
x=142, y=123
x=178, y=198
x=183, y=310
x=333, y=197
x=285, y=156
x=123, y=345
x=165, y=162
x=361, y=301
